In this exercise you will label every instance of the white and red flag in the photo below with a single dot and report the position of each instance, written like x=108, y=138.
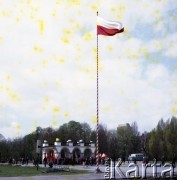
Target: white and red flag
x=108, y=28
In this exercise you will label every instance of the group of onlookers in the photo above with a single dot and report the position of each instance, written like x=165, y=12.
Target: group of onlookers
x=69, y=161
x=18, y=160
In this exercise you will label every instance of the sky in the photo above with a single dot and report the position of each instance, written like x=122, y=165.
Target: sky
x=48, y=64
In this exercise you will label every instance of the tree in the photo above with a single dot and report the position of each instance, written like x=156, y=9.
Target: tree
x=144, y=140
x=113, y=144
x=75, y=131
x=134, y=127
x=62, y=133
x=29, y=143
x=154, y=145
x=129, y=140
x=86, y=132
x=163, y=139
x=93, y=136
x=103, y=139
x=48, y=134
x=135, y=138
x=4, y=150
x=2, y=138
x=171, y=137
x=124, y=138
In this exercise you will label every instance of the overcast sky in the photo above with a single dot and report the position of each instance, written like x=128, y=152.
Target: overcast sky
x=48, y=64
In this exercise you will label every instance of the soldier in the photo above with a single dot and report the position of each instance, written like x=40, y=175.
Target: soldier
x=45, y=161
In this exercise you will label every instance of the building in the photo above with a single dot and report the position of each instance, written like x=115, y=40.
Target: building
x=63, y=153
x=126, y=125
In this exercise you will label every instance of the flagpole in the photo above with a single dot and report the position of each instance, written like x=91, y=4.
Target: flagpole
x=97, y=129
x=104, y=30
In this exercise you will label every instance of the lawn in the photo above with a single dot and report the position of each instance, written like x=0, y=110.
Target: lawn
x=13, y=171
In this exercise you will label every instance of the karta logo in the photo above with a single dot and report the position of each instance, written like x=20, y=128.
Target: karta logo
x=110, y=170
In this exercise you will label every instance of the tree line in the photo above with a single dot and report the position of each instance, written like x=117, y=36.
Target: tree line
x=159, y=143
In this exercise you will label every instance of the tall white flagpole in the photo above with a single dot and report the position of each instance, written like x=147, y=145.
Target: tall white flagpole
x=97, y=129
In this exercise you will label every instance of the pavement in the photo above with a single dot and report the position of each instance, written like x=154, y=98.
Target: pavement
x=93, y=174
x=57, y=177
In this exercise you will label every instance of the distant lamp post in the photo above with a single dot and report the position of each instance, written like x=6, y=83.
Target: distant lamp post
x=38, y=146
x=143, y=143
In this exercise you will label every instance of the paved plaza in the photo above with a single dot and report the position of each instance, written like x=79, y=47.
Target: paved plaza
x=92, y=175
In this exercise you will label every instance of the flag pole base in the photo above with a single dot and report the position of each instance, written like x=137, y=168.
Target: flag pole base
x=97, y=171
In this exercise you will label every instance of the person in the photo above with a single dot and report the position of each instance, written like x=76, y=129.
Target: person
x=91, y=163
x=10, y=160
x=163, y=160
x=123, y=159
x=173, y=161
x=51, y=163
x=45, y=161
x=27, y=159
x=83, y=162
x=145, y=160
x=87, y=162
x=155, y=160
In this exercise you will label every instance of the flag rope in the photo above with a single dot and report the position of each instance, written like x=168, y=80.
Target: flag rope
x=97, y=129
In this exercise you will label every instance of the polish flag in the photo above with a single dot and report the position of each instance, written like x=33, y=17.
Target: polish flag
x=108, y=28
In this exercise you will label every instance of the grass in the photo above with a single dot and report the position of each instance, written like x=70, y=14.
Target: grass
x=13, y=171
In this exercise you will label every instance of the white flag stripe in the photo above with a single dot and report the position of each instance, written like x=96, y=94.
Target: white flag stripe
x=109, y=24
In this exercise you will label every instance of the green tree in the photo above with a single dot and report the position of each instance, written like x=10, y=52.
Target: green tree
x=171, y=137
x=163, y=139
x=62, y=133
x=48, y=134
x=75, y=131
x=128, y=140
x=154, y=145
x=86, y=132
x=29, y=145
x=124, y=134
x=103, y=139
x=113, y=144
x=135, y=138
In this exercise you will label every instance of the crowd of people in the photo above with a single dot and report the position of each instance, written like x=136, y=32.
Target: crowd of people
x=69, y=161
x=22, y=160
x=72, y=161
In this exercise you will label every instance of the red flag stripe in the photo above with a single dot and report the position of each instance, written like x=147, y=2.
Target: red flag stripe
x=108, y=32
